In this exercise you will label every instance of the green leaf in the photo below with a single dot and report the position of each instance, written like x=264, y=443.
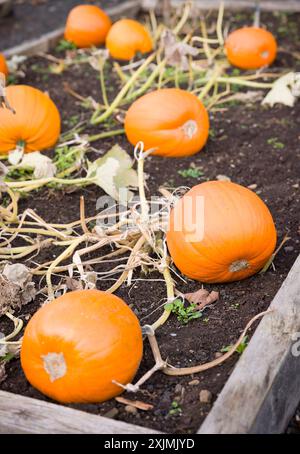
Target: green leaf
x=240, y=349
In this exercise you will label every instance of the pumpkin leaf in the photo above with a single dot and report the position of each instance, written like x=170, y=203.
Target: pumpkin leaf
x=177, y=52
x=42, y=166
x=16, y=287
x=17, y=274
x=202, y=298
x=184, y=313
x=73, y=284
x=114, y=174
x=98, y=58
x=285, y=90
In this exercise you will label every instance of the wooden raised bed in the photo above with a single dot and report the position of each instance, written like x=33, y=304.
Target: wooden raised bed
x=49, y=40
x=260, y=396
x=265, y=5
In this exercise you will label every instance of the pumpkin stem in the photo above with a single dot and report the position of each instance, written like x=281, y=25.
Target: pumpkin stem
x=239, y=265
x=190, y=128
x=55, y=365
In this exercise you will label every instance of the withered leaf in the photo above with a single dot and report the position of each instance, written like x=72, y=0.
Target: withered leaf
x=135, y=403
x=202, y=298
x=177, y=52
x=73, y=284
x=16, y=287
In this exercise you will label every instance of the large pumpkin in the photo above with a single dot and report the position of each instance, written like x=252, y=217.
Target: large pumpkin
x=220, y=232
x=127, y=37
x=35, y=125
x=251, y=48
x=77, y=345
x=172, y=121
x=3, y=65
x=87, y=25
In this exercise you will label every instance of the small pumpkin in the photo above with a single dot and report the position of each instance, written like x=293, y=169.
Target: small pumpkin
x=251, y=48
x=126, y=38
x=220, y=232
x=36, y=124
x=87, y=25
x=171, y=120
x=77, y=345
x=3, y=65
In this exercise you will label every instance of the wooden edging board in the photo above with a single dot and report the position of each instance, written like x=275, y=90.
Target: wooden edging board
x=265, y=5
x=49, y=40
x=19, y=414
x=262, y=393
x=260, y=396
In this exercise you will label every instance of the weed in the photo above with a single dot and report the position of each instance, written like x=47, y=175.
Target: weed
x=275, y=143
x=191, y=172
x=175, y=409
x=64, y=45
x=240, y=349
x=184, y=313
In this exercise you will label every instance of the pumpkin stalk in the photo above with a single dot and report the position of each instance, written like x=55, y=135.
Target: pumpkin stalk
x=170, y=295
x=103, y=86
x=184, y=18
x=96, y=119
x=220, y=23
x=180, y=371
x=271, y=259
x=140, y=157
x=64, y=255
x=105, y=135
x=160, y=364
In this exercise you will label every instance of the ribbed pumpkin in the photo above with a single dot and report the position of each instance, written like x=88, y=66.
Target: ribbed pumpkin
x=36, y=123
x=77, y=345
x=126, y=38
x=87, y=25
x=251, y=48
x=171, y=120
x=238, y=235
x=3, y=65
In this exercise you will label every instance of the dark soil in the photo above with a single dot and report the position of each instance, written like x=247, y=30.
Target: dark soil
x=32, y=18
x=238, y=148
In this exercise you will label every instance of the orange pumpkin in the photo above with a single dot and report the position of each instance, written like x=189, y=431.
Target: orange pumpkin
x=3, y=65
x=36, y=123
x=87, y=25
x=127, y=37
x=251, y=48
x=77, y=345
x=172, y=121
x=220, y=232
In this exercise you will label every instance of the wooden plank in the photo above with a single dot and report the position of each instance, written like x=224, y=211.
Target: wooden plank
x=272, y=5
x=19, y=414
x=49, y=40
x=263, y=391
x=5, y=7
